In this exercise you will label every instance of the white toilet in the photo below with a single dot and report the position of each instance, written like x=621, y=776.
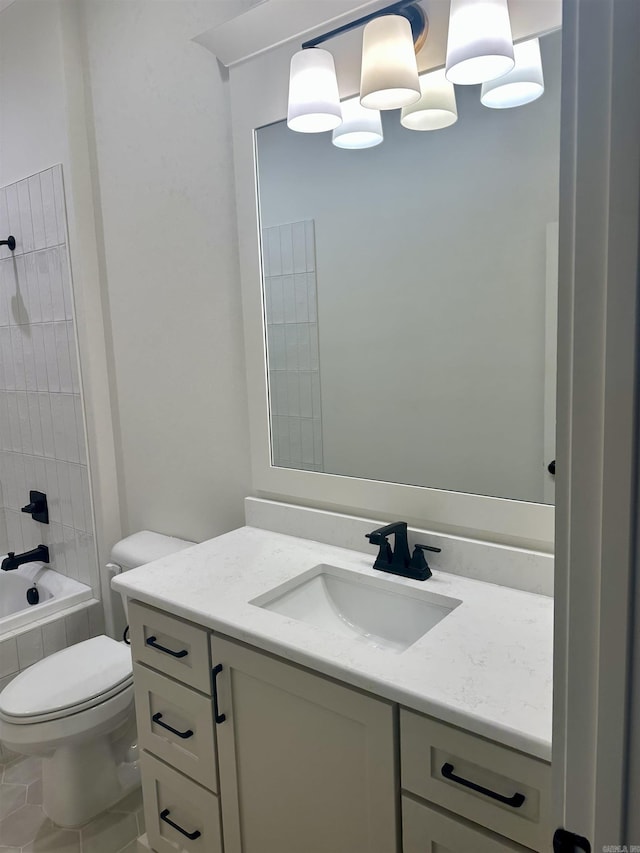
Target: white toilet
x=75, y=709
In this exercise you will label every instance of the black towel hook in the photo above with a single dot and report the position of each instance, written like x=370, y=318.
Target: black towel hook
x=10, y=242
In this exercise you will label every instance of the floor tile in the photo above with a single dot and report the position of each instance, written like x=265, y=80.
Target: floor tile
x=34, y=793
x=11, y=798
x=54, y=840
x=109, y=832
x=24, y=772
x=22, y=826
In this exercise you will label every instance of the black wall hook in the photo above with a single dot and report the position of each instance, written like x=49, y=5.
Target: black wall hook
x=10, y=242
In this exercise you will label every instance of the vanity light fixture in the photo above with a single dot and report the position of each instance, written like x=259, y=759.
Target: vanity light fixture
x=314, y=101
x=436, y=108
x=480, y=44
x=389, y=78
x=393, y=36
x=523, y=84
x=360, y=128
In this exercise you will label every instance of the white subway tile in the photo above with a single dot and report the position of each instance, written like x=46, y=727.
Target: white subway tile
x=34, y=305
x=306, y=397
x=306, y=430
x=21, y=483
x=295, y=441
x=13, y=210
x=302, y=298
x=4, y=222
x=70, y=428
x=286, y=249
x=18, y=358
x=4, y=293
x=73, y=357
x=292, y=348
x=276, y=313
x=71, y=552
x=87, y=561
x=49, y=208
x=96, y=620
x=8, y=657
x=304, y=356
x=23, y=417
x=309, y=231
x=315, y=395
x=5, y=432
x=77, y=625
x=46, y=423
x=14, y=531
x=37, y=213
x=86, y=500
x=54, y=637
x=61, y=214
x=30, y=647
x=30, y=483
x=53, y=496
x=26, y=225
x=39, y=475
x=55, y=541
x=30, y=378
x=58, y=307
x=277, y=347
x=317, y=441
x=62, y=352
x=14, y=422
x=44, y=285
x=51, y=356
x=299, y=247
x=82, y=446
x=34, y=422
x=39, y=357
x=65, y=273
x=314, y=358
x=60, y=438
x=9, y=489
x=275, y=255
x=7, y=359
x=64, y=491
x=293, y=394
x=289, y=299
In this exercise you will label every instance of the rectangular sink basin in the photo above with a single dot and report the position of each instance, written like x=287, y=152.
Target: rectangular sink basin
x=370, y=610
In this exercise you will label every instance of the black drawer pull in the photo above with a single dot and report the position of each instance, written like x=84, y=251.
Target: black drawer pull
x=190, y=835
x=219, y=718
x=515, y=802
x=157, y=718
x=151, y=641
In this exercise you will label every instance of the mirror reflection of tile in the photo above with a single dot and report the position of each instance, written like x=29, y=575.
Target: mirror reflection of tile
x=292, y=345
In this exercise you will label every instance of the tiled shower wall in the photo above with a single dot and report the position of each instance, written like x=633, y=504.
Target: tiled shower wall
x=42, y=439
x=292, y=344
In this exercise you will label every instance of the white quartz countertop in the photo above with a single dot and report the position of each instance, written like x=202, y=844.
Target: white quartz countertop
x=486, y=667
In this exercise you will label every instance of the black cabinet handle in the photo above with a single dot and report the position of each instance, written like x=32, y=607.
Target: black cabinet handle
x=190, y=835
x=157, y=718
x=515, y=802
x=215, y=672
x=152, y=641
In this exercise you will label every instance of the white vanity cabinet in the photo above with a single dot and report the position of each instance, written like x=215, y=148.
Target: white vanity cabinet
x=306, y=765
x=241, y=746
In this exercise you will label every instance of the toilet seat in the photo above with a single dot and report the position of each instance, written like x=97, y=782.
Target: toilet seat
x=68, y=682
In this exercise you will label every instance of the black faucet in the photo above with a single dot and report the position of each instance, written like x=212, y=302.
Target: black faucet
x=398, y=561
x=13, y=561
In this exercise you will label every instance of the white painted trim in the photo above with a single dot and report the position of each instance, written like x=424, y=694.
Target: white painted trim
x=551, y=361
x=259, y=93
x=597, y=375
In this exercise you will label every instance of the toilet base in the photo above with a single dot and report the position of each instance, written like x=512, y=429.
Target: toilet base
x=81, y=781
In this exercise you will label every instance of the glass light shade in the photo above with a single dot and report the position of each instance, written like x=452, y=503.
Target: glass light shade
x=480, y=44
x=437, y=105
x=360, y=128
x=314, y=101
x=389, y=77
x=525, y=83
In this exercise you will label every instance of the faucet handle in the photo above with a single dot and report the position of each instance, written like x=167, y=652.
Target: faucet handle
x=418, y=561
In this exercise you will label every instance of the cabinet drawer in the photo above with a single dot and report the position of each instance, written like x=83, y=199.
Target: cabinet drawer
x=171, y=645
x=489, y=784
x=179, y=815
x=176, y=724
x=428, y=830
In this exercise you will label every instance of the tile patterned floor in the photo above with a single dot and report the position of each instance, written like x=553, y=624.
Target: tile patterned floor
x=24, y=828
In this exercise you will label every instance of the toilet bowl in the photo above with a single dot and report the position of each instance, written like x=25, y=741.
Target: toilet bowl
x=75, y=709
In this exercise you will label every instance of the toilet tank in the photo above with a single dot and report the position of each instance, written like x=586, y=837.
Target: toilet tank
x=141, y=548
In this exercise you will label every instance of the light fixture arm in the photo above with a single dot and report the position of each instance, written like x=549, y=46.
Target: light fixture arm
x=10, y=242
x=407, y=8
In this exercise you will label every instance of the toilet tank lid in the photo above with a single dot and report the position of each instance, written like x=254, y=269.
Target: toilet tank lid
x=145, y=547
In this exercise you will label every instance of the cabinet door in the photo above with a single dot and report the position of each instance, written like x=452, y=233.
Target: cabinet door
x=305, y=764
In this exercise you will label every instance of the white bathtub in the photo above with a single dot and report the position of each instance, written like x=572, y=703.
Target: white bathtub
x=56, y=591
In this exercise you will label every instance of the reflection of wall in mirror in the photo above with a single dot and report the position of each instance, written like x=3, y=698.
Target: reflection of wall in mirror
x=431, y=269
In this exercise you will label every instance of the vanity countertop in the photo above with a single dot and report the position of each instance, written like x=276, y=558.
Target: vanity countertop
x=486, y=667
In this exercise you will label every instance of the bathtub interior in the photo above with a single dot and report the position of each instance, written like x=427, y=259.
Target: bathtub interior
x=56, y=592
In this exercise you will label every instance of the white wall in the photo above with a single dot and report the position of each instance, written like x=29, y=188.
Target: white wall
x=164, y=168
x=431, y=286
